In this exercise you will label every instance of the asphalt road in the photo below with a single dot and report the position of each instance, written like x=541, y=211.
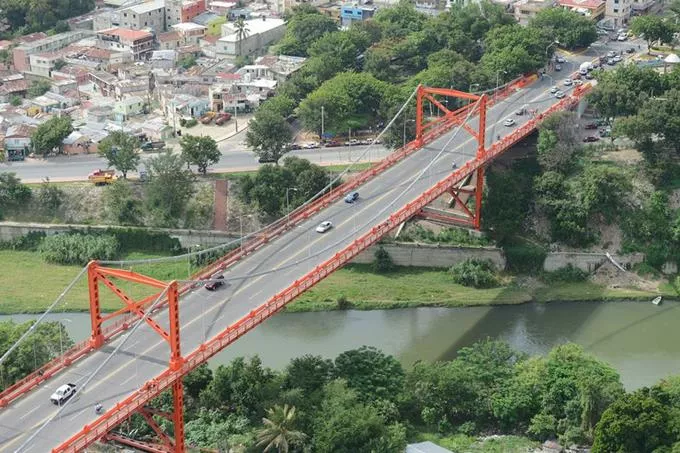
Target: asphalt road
x=203, y=314
x=235, y=157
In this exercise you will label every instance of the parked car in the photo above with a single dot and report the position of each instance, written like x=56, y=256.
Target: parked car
x=611, y=62
x=521, y=111
x=215, y=283
x=558, y=67
x=590, y=76
x=568, y=82
x=617, y=58
x=579, y=82
x=622, y=38
x=559, y=59
x=324, y=226
x=222, y=118
x=509, y=122
x=267, y=160
x=332, y=144
x=590, y=126
x=630, y=50
x=207, y=118
x=352, y=197
x=63, y=393
x=148, y=146
x=559, y=94
x=554, y=90
x=611, y=54
x=591, y=139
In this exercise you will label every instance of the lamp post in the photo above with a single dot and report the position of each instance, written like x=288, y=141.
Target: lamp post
x=404, y=136
x=322, y=131
x=554, y=43
x=288, y=189
x=241, y=222
x=498, y=73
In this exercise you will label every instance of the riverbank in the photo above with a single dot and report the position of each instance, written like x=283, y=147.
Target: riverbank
x=29, y=285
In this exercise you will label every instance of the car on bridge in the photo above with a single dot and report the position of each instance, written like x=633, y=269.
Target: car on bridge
x=568, y=82
x=215, y=283
x=509, y=122
x=559, y=94
x=554, y=89
x=63, y=393
x=324, y=226
x=352, y=197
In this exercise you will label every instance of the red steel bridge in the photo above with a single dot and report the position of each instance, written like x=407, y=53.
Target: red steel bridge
x=149, y=344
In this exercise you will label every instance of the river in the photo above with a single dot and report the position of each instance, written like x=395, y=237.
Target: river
x=641, y=340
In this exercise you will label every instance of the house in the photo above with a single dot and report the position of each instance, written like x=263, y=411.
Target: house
x=77, y=143
x=103, y=82
x=211, y=21
x=525, y=10
x=138, y=43
x=593, y=9
x=13, y=86
x=169, y=40
x=185, y=105
x=351, y=13
x=18, y=141
x=163, y=59
x=226, y=98
x=22, y=53
x=128, y=106
x=240, y=13
x=145, y=15
x=178, y=11
x=280, y=67
x=99, y=114
x=156, y=129
x=190, y=32
x=262, y=33
x=221, y=7
x=618, y=11
x=52, y=101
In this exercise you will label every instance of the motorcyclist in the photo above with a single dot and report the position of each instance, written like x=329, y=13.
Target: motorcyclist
x=98, y=407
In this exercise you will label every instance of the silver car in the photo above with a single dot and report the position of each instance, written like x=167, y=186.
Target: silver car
x=324, y=226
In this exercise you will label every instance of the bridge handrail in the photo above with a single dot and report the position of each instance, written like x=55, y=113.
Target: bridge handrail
x=155, y=386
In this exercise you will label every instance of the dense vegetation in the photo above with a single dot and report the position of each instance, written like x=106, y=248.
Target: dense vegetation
x=31, y=16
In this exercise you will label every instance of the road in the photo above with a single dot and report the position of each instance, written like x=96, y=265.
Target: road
x=235, y=157
x=203, y=314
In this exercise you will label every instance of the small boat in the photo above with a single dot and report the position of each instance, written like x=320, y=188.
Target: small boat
x=657, y=300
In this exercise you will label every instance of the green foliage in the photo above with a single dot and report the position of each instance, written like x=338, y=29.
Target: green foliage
x=401, y=20
x=655, y=28
x=302, y=30
x=447, y=235
x=570, y=28
x=558, y=142
x=212, y=429
x=371, y=373
x=78, y=249
x=200, y=151
x=169, y=189
x=121, y=206
x=638, y=421
x=269, y=134
x=120, y=150
x=566, y=274
x=29, y=242
x=191, y=122
x=49, y=198
x=13, y=194
x=187, y=61
x=382, y=262
x=141, y=240
x=38, y=88
x=524, y=258
x=27, y=17
x=514, y=50
x=267, y=188
x=623, y=91
x=475, y=273
x=278, y=430
x=15, y=100
x=50, y=134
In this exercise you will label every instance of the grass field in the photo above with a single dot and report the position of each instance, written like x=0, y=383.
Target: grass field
x=28, y=285
x=461, y=442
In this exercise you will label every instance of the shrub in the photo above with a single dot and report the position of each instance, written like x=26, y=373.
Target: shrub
x=78, y=248
x=475, y=273
x=524, y=258
x=383, y=261
x=343, y=303
x=191, y=123
x=566, y=274
x=132, y=239
x=29, y=242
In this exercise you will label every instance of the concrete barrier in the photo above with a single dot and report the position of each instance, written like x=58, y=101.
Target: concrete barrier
x=588, y=261
x=433, y=255
x=188, y=238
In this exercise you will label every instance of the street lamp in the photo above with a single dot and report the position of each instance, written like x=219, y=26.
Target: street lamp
x=241, y=222
x=554, y=43
x=498, y=73
x=404, y=137
x=288, y=189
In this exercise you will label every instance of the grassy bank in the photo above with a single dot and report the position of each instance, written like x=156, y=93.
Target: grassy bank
x=28, y=285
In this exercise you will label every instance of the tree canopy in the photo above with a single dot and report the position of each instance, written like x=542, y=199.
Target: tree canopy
x=269, y=134
x=121, y=151
x=26, y=17
x=169, y=189
x=654, y=28
x=50, y=135
x=569, y=28
x=200, y=151
x=303, y=29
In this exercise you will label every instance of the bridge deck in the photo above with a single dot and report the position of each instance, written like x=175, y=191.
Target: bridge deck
x=204, y=314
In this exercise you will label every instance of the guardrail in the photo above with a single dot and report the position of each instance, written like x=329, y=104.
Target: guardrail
x=124, y=409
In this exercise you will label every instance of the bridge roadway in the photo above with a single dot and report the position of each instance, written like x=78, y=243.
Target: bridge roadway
x=203, y=314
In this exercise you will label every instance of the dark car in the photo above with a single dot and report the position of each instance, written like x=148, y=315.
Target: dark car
x=630, y=50
x=267, y=160
x=591, y=125
x=215, y=283
x=591, y=139
x=352, y=197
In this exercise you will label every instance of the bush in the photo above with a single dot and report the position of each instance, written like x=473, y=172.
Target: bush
x=29, y=242
x=524, y=258
x=191, y=122
x=343, y=303
x=383, y=261
x=453, y=235
x=475, y=273
x=138, y=240
x=78, y=249
x=566, y=274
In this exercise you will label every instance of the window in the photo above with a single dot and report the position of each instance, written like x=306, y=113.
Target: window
x=616, y=10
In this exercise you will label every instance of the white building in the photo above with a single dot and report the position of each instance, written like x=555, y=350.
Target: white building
x=147, y=15
x=618, y=11
x=261, y=34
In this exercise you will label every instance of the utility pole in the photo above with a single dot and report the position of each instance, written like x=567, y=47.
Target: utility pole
x=322, y=135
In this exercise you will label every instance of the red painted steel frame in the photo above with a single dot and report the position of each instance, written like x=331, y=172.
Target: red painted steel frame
x=169, y=378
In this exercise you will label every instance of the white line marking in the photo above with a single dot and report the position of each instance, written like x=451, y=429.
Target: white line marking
x=29, y=412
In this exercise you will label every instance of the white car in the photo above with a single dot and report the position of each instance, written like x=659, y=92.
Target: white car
x=509, y=122
x=617, y=58
x=622, y=38
x=63, y=393
x=578, y=82
x=559, y=94
x=568, y=82
x=324, y=226
x=554, y=90
x=611, y=54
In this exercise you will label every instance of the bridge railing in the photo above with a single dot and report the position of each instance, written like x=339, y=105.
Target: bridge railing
x=124, y=409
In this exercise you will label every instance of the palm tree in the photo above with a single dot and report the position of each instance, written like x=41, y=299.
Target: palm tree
x=277, y=431
x=241, y=32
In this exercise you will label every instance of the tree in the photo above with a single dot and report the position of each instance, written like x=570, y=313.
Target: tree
x=570, y=28
x=303, y=30
x=169, y=189
x=558, y=142
x=38, y=88
x=121, y=206
x=382, y=262
x=279, y=431
x=308, y=373
x=189, y=61
x=242, y=31
x=120, y=150
x=512, y=50
x=201, y=151
x=24, y=17
x=400, y=20
x=197, y=380
x=58, y=64
x=50, y=135
x=371, y=373
x=13, y=194
x=655, y=28
x=623, y=91
x=15, y=100
x=268, y=134
x=637, y=421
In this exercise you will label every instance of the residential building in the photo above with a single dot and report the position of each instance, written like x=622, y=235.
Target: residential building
x=641, y=6
x=524, y=10
x=21, y=54
x=50, y=101
x=211, y=21
x=104, y=82
x=280, y=67
x=185, y=106
x=189, y=32
x=77, y=143
x=262, y=33
x=618, y=12
x=127, y=107
x=156, y=129
x=239, y=13
x=18, y=140
x=148, y=15
x=138, y=43
x=223, y=97
x=13, y=85
x=191, y=9
x=178, y=11
x=163, y=59
x=351, y=13
x=221, y=7
x=593, y=9
x=169, y=40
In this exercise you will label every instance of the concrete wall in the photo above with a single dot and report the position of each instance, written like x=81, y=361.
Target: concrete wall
x=429, y=255
x=13, y=230
x=588, y=261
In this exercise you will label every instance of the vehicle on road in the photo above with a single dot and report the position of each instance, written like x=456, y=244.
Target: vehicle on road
x=521, y=111
x=611, y=62
x=590, y=126
x=589, y=76
x=324, y=226
x=102, y=177
x=148, y=146
x=558, y=67
x=630, y=50
x=554, y=90
x=559, y=94
x=63, y=393
x=559, y=59
x=509, y=122
x=352, y=197
x=611, y=54
x=207, y=118
x=617, y=58
x=332, y=144
x=579, y=82
x=622, y=38
x=222, y=118
x=267, y=160
x=568, y=82
x=215, y=283
x=591, y=139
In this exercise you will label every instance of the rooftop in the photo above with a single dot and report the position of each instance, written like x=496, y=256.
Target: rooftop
x=169, y=36
x=205, y=18
x=219, y=4
x=146, y=7
x=32, y=37
x=66, y=36
x=20, y=130
x=256, y=26
x=187, y=26
x=126, y=33
x=587, y=4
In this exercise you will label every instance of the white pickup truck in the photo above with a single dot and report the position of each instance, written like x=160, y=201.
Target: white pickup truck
x=63, y=393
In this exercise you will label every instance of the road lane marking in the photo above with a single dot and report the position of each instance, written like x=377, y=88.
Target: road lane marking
x=29, y=412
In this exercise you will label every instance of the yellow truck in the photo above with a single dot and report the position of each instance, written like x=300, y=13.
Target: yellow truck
x=102, y=177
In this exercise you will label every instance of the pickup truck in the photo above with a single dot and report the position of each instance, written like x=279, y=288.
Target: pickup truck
x=148, y=146
x=63, y=393
x=222, y=118
x=102, y=177
x=207, y=118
